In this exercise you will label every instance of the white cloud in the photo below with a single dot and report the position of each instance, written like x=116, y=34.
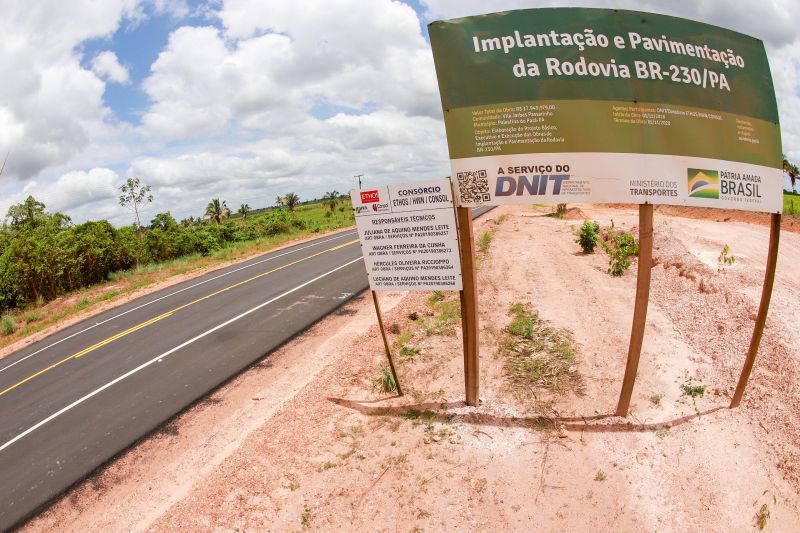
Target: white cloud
x=50, y=106
x=274, y=58
x=277, y=96
x=78, y=190
x=107, y=66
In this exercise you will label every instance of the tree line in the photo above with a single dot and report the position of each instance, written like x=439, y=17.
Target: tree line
x=44, y=254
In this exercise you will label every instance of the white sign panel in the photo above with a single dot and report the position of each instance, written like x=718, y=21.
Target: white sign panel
x=408, y=236
x=613, y=178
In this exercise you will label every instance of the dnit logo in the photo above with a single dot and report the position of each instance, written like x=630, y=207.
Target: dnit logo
x=703, y=183
x=368, y=197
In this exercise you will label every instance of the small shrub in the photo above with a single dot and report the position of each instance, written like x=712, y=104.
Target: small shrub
x=600, y=476
x=7, y=324
x=587, y=236
x=725, y=260
x=620, y=247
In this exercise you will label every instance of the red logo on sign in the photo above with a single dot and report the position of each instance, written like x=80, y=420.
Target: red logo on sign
x=368, y=197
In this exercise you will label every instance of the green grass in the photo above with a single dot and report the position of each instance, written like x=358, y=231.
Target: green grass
x=484, y=241
x=538, y=356
x=409, y=352
x=447, y=315
x=384, y=381
x=791, y=204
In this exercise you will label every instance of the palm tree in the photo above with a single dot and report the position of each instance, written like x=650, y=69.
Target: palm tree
x=217, y=211
x=244, y=209
x=279, y=200
x=792, y=170
x=330, y=199
x=291, y=200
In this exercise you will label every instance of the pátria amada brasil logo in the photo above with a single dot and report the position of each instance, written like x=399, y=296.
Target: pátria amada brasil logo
x=703, y=183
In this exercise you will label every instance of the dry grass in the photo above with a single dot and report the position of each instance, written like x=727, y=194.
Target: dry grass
x=539, y=359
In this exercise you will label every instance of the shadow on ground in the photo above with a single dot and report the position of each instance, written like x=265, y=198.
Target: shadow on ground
x=602, y=423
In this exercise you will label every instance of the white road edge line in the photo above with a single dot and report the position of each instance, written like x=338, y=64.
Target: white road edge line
x=169, y=295
x=166, y=354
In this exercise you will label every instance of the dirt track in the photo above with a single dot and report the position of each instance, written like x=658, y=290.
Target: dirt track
x=303, y=440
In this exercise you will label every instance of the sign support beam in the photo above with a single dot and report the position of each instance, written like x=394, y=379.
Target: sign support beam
x=640, y=306
x=761, y=318
x=469, y=306
x=386, y=341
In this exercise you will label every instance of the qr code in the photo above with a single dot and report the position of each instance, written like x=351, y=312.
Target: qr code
x=473, y=187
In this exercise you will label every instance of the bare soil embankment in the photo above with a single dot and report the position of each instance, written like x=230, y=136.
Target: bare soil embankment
x=305, y=441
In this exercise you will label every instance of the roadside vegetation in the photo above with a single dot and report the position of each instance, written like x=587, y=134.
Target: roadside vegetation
x=539, y=360
x=620, y=245
x=44, y=256
x=791, y=199
x=588, y=235
x=791, y=204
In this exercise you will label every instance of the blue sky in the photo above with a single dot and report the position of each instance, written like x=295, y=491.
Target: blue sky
x=248, y=99
x=137, y=44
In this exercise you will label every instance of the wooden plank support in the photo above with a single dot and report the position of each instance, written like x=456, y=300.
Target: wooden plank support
x=640, y=306
x=761, y=318
x=469, y=305
x=386, y=342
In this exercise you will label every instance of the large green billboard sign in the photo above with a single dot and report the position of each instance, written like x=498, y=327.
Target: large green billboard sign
x=566, y=105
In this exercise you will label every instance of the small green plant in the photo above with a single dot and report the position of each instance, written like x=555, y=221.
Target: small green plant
x=762, y=516
x=435, y=298
x=600, y=476
x=725, y=258
x=7, y=324
x=620, y=247
x=655, y=400
x=587, y=236
x=484, y=241
x=305, y=517
x=409, y=352
x=384, y=380
x=693, y=391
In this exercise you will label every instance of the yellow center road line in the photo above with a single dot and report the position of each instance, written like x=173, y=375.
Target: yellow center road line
x=168, y=314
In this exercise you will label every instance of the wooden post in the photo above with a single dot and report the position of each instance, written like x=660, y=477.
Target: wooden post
x=469, y=305
x=761, y=318
x=386, y=341
x=640, y=306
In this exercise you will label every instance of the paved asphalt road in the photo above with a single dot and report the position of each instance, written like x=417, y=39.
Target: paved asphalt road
x=77, y=398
